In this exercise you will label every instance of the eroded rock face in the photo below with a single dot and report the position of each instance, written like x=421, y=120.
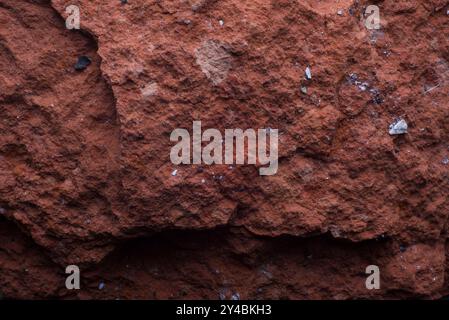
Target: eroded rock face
x=85, y=171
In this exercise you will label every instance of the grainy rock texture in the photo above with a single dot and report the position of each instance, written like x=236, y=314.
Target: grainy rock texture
x=85, y=170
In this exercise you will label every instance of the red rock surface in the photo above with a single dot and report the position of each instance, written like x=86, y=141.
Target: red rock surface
x=85, y=173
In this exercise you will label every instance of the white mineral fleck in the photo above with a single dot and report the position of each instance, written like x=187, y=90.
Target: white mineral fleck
x=308, y=73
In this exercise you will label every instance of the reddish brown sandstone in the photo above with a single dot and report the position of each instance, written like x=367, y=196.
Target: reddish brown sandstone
x=85, y=171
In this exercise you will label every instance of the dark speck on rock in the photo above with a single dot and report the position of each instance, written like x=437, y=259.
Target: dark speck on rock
x=82, y=63
x=402, y=248
x=378, y=99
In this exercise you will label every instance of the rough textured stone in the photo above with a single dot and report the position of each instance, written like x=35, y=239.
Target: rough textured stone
x=86, y=178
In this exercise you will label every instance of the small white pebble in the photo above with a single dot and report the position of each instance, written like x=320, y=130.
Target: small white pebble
x=308, y=73
x=221, y=22
x=340, y=12
x=203, y=181
x=398, y=127
x=101, y=286
x=174, y=173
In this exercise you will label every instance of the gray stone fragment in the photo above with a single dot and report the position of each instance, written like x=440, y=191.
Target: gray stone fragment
x=398, y=127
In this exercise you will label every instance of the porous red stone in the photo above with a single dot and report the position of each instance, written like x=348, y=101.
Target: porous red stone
x=85, y=170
